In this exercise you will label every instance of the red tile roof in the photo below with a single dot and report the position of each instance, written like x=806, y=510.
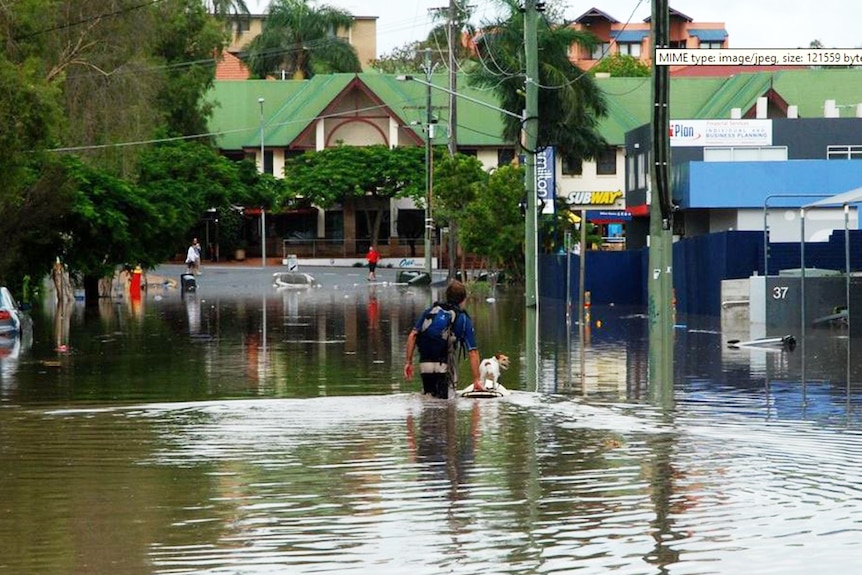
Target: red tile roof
x=230, y=67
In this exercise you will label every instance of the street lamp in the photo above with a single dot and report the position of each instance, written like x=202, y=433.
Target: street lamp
x=262, y=209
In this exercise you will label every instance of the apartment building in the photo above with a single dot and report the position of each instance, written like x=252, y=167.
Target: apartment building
x=633, y=38
x=362, y=36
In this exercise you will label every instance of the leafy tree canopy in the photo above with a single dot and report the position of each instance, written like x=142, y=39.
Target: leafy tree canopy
x=492, y=225
x=570, y=100
x=458, y=180
x=338, y=174
x=370, y=175
x=622, y=66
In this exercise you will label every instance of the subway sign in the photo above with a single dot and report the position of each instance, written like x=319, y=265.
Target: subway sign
x=593, y=199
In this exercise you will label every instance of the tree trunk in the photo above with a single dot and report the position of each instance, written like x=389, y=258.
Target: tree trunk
x=453, y=249
x=91, y=291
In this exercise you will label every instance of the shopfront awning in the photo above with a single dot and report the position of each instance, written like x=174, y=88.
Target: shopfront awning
x=608, y=216
x=851, y=197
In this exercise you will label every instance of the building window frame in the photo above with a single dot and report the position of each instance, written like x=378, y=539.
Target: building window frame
x=606, y=162
x=729, y=153
x=600, y=50
x=571, y=166
x=844, y=152
x=632, y=49
x=505, y=156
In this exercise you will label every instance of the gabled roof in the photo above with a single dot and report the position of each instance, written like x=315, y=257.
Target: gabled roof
x=296, y=112
x=292, y=106
x=673, y=14
x=739, y=91
x=596, y=14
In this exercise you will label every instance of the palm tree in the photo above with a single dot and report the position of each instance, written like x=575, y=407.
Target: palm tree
x=227, y=7
x=300, y=40
x=570, y=102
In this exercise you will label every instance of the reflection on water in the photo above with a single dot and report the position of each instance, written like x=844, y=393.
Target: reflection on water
x=271, y=432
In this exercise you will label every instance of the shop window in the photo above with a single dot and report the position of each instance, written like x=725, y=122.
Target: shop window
x=606, y=162
x=844, y=152
x=572, y=166
x=505, y=156
x=334, y=222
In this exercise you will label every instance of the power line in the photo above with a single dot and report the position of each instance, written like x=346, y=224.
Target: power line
x=215, y=134
x=92, y=18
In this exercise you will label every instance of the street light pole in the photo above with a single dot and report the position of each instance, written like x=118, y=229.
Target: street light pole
x=530, y=136
x=429, y=162
x=262, y=209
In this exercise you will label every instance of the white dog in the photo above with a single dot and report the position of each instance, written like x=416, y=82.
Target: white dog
x=489, y=370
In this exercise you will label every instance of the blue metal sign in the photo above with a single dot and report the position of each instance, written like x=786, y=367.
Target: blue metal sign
x=546, y=181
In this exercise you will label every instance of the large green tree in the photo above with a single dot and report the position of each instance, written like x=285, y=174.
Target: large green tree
x=366, y=175
x=458, y=181
x=92, y=77
x=107, y=225
x=570, y=102
x=622, y=66
x=114, y=222
x=186, y=179
x=185, y=45
x=495, y=208
x=300, y=40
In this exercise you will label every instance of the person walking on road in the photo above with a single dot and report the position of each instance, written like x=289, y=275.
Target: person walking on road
x=438, y=333
x=193, y=258
x=373, y=257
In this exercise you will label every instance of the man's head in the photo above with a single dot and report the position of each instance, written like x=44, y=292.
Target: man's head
x=456, y=292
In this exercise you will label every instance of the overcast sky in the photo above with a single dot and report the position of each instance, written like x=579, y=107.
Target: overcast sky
x=749, y=23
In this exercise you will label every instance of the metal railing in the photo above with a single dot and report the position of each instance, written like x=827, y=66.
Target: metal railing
x=339, y=248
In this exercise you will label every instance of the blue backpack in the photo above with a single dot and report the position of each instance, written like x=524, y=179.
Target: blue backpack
x=437, y=340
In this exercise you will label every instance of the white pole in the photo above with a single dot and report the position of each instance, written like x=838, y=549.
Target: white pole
x=262, y=210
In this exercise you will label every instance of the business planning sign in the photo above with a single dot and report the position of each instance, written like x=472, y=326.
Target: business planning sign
x=715, y=133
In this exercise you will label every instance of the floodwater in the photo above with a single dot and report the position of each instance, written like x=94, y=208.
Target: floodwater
x=247, y=429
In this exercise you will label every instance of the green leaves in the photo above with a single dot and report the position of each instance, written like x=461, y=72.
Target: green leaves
x=492, y=225
x=301, y=40
x=569, y=99
x=338, y=174
x=374, y=174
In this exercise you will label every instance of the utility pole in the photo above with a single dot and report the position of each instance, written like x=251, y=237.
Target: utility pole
x=453, y=79
x=453, y=123
x=429, y=161
x=530, y=142
x=660, y=280
x=262, y=170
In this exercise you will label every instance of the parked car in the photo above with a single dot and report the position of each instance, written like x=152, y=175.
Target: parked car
x=12, y=319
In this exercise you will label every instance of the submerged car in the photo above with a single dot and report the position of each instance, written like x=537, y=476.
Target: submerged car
x=11, y=316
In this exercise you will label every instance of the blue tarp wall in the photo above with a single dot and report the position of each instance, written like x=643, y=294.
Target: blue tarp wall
x=700, y=264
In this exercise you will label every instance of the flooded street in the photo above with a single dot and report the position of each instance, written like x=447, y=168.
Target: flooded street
x=249, y=429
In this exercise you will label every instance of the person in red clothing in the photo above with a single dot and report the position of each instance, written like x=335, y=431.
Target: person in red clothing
x=373, y=257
